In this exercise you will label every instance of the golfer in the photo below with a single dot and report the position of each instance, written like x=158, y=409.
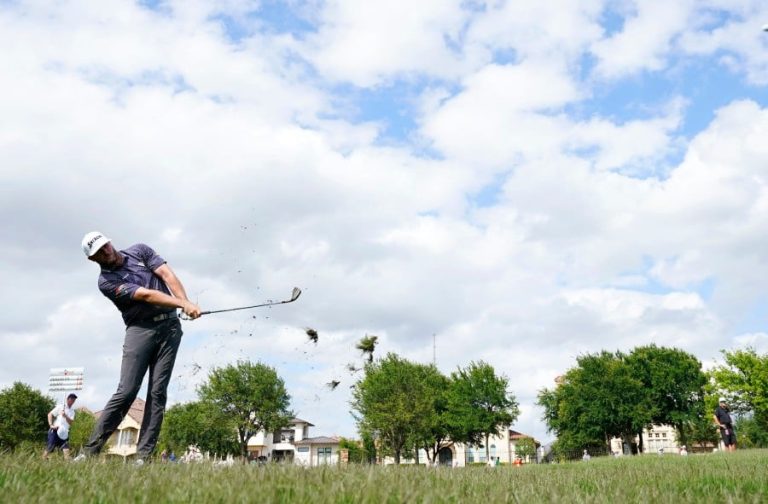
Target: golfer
x=147, y=293
x=722, y=418
x=58, y=434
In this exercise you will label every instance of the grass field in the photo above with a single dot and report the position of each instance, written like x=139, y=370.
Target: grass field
x=720, y=477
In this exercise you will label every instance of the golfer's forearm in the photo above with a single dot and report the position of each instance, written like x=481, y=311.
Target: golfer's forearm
x=174, y=285
x=172, y=281
x=158, y=298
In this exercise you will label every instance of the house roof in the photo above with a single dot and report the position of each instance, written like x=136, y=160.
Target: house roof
x=318, y=440
x=136, y=412
x=299, y=420
x=514, y=435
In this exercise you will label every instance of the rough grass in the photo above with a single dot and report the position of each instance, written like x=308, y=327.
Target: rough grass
x=721, y=477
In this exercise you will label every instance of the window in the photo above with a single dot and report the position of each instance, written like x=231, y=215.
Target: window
x=324, y=455
x=126, y=437
x=493, y=451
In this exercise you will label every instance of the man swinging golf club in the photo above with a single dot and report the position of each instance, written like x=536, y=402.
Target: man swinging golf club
x=147, y=293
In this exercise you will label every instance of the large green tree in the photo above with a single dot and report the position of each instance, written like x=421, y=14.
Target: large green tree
x=23, y=415
x=673, y=383
x=479, y=404
x=597, y=400
x=393, y=402
x=252, y=395
x=434, y=433
x=199, y=423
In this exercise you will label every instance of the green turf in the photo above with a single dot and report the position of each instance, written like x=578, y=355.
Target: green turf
x=720, y=477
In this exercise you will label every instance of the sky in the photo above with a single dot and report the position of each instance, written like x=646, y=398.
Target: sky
x=515, y=182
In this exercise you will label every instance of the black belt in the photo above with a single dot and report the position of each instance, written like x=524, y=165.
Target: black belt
x=164, y=316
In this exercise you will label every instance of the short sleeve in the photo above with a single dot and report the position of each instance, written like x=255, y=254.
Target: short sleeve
x=149, y=256
x=117, y=291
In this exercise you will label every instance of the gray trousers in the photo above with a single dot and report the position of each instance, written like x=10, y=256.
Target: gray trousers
x=152, y=347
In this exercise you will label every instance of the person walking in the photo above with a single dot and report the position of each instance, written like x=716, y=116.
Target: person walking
x=147, y=292
x=58, y=434
x=722, y=418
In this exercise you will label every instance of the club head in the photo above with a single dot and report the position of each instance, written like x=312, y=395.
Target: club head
x=295, y=294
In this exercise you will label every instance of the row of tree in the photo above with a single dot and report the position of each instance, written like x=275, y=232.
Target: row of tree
x=616, y=394
x=407, y=406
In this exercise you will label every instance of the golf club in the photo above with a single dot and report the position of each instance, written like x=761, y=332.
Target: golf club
x=294, y=296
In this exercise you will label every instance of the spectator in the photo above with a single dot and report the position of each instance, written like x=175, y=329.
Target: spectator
x=722, y=418
x=58, y=434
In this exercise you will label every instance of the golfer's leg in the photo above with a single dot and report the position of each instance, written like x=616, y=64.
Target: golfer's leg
x=160, y=371
x=137, y=351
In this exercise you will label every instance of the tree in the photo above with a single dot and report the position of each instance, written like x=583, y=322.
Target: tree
x=199, y=423
x=744, y=378
x=367, y=345
x=23, y=415
x=525, y=448
x=435, y=433
x=597, y=400
x=252, y=395
x=479, y=404
x=81, y=429
x=355, y=449
x=392, y=403
x=673, y=383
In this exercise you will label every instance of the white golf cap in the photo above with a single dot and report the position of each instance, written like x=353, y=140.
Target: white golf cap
x=722, y=399
x=93, y=241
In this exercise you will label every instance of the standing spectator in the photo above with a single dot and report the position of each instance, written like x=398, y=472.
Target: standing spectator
x=722, y=418
x=147, y=292
x=683, y=450
x=58, y=434
x=586, y=456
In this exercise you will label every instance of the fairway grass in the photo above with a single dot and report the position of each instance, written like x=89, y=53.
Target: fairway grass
x=719, y=477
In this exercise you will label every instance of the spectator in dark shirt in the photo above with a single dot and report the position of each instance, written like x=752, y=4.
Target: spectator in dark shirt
x=722, y=418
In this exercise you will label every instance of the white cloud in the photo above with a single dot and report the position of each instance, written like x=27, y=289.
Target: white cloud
x=646, y=39
x=367, y=43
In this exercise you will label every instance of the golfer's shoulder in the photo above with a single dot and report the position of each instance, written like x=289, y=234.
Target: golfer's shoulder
x=138, y=249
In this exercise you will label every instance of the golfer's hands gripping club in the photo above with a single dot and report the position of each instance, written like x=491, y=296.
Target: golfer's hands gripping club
x=190, y=311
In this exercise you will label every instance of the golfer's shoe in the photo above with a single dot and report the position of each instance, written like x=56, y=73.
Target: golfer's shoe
x=80, y=458
x=139, y=462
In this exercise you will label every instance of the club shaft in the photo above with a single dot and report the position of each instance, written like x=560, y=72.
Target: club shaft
x=243, y=308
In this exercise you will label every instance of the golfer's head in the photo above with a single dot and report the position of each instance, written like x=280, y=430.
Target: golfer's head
x=71, y=398
x=97, y=247
x=723, y=402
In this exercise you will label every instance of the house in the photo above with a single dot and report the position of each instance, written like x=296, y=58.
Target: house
x=656, y=439
x=294, y=445
x=316, y=451
x=502, y=447
x=123, y=441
